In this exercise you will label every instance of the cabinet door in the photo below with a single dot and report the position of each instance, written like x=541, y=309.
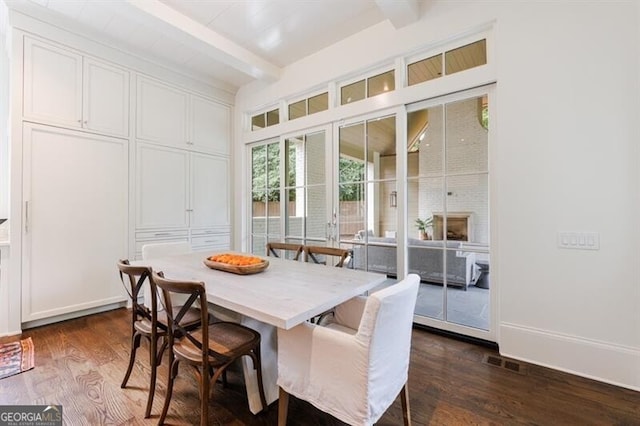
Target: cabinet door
x=106, y=98
x=210, y=126
x=162, y=113
x=52, y=84
x=75, y=220
x=210, y=191
x=161, y=187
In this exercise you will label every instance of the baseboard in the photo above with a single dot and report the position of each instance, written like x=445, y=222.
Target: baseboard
x=602, y=361
x=72, y=315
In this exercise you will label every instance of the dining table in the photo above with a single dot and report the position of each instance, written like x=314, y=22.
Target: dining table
x=284, y=295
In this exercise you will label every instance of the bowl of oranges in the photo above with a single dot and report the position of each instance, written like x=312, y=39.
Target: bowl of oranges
x=236, y=263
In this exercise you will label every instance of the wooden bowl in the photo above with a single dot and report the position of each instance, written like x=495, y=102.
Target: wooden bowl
x=235, y=269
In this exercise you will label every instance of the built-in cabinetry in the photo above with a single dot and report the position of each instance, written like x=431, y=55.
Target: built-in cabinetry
x=105, y=171
x=62, y=87
x=182, y=168
x=75, y=192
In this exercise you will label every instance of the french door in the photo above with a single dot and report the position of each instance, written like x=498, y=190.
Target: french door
x=448, y=214
x=406, y=190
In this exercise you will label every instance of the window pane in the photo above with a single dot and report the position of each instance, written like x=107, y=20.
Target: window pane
x=259, y=212
x=273, y=117
x=352, y=157
x=468, y=208
x=425, y=70
x=298, y=109
x=294, y=212
x=467, y=141
x=471, y=307
x=257, y=122
x=316, y=226
x=273, y=171
x=384, y=195
x=381, y=141
x=465, y=57
x=258, y=245
x=425, y=201
x=428, y=263
x=319, y=103
x=425, y=142
x=315, y=158
x=381, y=83
x=295, y=161
x=351, y=213
x=259, y=167
x=353, y=92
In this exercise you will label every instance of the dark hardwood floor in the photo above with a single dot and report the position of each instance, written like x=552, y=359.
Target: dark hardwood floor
x=80, y=364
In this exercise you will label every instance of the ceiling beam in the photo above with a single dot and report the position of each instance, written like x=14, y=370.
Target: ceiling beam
x=400, y=12
x=192, y=33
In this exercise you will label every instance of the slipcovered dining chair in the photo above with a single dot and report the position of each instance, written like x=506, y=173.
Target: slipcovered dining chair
x=354, y=367
x=313, y=253
x=148, y=323
x=209, y=349
x=274, y=248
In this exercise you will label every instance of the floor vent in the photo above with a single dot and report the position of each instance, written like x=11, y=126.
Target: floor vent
x=507, y=364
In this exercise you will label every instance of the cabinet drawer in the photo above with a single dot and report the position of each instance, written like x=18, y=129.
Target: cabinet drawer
x=217, y=240
x=139, y=244
x=154, y=235
x=215, y=231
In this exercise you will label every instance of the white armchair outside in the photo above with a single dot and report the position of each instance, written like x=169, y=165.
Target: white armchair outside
x=355, y=367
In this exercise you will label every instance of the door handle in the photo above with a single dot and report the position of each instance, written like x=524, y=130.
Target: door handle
x=26, y=217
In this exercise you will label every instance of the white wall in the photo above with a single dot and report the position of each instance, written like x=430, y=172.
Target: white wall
x=564, y=157
x=4, y=116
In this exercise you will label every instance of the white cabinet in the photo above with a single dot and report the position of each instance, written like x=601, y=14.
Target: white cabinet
x=161, y=113
x=75, y=193
x=52, y=84
x=209, y=191
x=210, y=126
x=172, y=117
x=162, y=187
x=64, y=88
x=181, y=194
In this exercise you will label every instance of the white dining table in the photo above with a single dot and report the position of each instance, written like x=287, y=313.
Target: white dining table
x=284, y=295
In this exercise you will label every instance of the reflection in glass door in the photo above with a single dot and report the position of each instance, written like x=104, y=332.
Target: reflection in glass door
x=367, y=196
x=448, y=210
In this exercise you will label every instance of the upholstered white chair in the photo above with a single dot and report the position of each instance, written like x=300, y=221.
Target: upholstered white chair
x=156, y=250
x=354, y=367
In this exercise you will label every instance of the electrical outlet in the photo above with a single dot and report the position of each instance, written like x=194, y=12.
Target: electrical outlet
x=579, y=240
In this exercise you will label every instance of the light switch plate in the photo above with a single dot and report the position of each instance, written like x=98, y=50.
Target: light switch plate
x=579, y=240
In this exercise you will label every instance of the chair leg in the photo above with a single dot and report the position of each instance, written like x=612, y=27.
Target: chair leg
x=173, y=372
x=283, y=407
x=153, y=348
x=135, y=343
x=406, y=410
x=204, y=397
x=257, y=364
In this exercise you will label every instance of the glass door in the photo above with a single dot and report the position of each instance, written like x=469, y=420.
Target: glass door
x=367, y=194
x=289, y=180
x=448, y=234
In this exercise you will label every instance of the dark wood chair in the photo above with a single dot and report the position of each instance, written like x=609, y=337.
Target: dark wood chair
x=318, y=254
x=148, y=323
x=314, y=253
x=209, y=350
x=273, y=248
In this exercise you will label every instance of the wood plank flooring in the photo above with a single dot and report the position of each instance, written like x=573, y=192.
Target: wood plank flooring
x=80, y=364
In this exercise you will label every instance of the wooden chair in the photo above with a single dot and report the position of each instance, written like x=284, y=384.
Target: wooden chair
x=148, y=323
x=313, y=252
x=209, y=350
x=373, y=338
x=297, y=249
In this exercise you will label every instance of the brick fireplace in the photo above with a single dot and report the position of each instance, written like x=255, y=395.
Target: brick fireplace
x=459, y=226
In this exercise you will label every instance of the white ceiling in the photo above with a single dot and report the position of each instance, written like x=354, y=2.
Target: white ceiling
x=228, y=41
